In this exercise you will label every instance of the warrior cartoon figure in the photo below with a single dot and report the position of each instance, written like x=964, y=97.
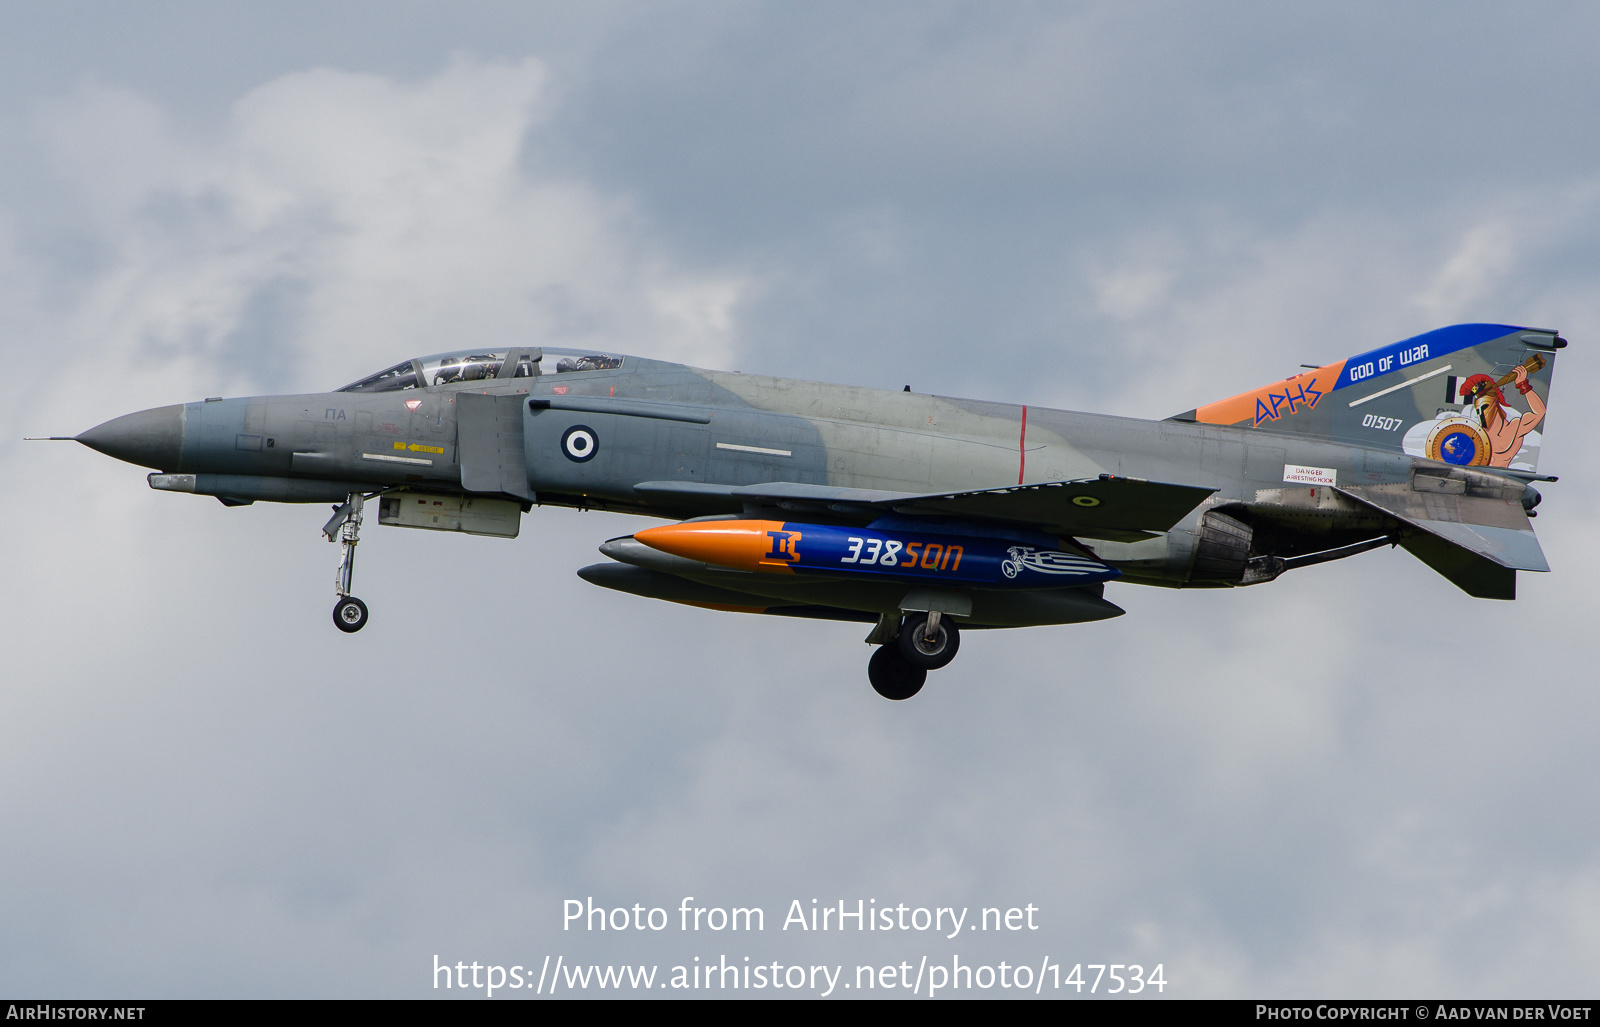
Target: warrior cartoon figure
x=1505, y=434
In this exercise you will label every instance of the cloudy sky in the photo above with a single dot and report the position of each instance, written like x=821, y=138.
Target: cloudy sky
x=1353, y=781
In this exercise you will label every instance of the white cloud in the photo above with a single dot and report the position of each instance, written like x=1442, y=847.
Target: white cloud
x=334, y=223
x=338, y=222
x=1221, y=305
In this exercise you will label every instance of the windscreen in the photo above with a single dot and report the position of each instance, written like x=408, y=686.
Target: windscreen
x=482, y=365
x=465, y=366
x=400, y=376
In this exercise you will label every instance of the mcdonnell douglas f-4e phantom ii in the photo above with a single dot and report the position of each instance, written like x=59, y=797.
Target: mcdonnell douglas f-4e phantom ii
x=921, y=515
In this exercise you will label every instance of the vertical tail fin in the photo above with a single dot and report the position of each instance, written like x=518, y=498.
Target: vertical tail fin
x=1469, y=394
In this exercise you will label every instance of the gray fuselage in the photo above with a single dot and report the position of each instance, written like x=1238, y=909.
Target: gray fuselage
x=653, y=421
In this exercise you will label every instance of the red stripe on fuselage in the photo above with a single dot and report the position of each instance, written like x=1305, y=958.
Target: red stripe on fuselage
x=1022, y=447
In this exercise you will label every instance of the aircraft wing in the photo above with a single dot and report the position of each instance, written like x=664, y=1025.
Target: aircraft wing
x=1107, y=507
x=776, y=492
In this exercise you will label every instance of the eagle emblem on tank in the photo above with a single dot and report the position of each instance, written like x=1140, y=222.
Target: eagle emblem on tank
x=923, y=516
x=1022, y=560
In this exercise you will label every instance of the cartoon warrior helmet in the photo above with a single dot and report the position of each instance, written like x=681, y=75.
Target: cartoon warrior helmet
x=1479, y=385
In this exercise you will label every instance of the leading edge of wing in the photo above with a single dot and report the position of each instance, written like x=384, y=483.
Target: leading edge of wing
x=774, y=490
x=1106, y=507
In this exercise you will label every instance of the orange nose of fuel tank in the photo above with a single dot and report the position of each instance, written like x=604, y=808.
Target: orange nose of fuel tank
x=740, y=545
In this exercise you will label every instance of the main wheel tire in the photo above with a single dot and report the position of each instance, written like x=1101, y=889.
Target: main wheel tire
x=349, y=614
x=928, y=655
x=891, y=676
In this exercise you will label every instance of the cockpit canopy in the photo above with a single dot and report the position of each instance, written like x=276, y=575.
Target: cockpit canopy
x=471, y=365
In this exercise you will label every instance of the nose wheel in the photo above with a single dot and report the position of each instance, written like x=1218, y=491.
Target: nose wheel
x=349, y=613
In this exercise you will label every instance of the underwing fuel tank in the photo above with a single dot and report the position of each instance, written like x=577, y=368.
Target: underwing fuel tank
x=785, y=547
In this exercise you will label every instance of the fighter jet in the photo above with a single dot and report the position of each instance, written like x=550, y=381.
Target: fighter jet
x=921, y=515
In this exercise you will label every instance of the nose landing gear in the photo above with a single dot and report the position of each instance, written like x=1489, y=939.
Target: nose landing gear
x=926, y=641
x=349, y=613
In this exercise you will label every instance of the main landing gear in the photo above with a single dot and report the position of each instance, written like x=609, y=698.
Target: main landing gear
x=925, y=641
x=349, y=613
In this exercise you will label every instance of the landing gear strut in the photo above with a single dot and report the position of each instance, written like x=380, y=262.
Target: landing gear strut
x=928, y=641
x=349, y=613
x=924, y=642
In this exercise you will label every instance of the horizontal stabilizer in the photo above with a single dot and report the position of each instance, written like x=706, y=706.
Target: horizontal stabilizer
x=1107, y=507
x=1479, y=542
x=1508, y=547
x=1475, y=575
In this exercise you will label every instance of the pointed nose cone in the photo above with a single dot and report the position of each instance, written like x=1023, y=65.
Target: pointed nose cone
x=149, y=438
